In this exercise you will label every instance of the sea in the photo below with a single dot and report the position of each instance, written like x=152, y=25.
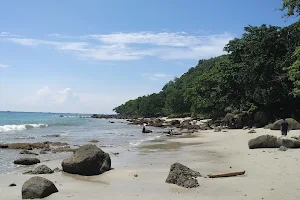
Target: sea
x=74, y=129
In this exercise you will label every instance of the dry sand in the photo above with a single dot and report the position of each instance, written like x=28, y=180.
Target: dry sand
x=270, y=174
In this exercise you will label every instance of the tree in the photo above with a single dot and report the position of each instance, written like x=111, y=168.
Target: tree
x=294, y=73
x=292, y=6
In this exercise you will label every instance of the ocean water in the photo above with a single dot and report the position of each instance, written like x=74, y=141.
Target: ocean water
x=73, y=129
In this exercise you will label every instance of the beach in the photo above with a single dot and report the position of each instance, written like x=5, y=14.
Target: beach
x=270, y=174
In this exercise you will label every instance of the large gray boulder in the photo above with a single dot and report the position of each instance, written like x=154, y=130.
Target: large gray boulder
x=27, y=161
x=182, y=176
x=87, y=160
x=37, y=188
x=43, y=169
x=293, y=124
x=263, y=141
x=288, y=142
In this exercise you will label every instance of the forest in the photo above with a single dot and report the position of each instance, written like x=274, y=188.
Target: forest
x=259, y=72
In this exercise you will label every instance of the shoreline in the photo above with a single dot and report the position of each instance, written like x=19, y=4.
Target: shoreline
x=269, y=173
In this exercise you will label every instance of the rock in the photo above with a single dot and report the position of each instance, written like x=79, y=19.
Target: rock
x=54, y=135
x=261, y=118
x=282, y=148
x=12, y=185
x=63, y=149
x=182, y=176
x=56, y=143
x=60, y=116
x=293, y=124
x=147, y=131
x=57, y=169
x=174, y=122
x=43, y=151
x=116, y=153
x=43, y=169
x=112, y=122
x=263, y=141
x=88, y=160
x=252, y=131
x=28, y=146
x=3, y=146
x=28, y=152
x=37, y=188
x=218, y=129
x=94, y=141
x=288, y=142
x=27, y=161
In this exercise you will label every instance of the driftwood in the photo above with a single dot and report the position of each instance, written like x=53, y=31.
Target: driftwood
x=226, y=174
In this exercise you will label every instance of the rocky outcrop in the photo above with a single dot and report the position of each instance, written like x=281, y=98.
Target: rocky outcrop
x=43, y=169
x=37, y=188
x=28, y=152
x=27, y=161
x=88, y=160
x=63, y=149
x=263, y=141
x=182, y=176
x=293, y=124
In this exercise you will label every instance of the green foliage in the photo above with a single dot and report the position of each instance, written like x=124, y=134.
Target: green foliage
x=294, y=73
x=292, y=6
x=260, y=72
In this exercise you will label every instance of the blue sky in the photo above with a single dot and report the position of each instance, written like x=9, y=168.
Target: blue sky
x=90, y=56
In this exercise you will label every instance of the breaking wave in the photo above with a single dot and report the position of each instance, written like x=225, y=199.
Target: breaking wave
x=21, y=127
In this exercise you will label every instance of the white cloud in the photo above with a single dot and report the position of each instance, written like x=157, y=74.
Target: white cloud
x=56, y=99
x=4, y=66
x=156, y=76
x=135, y=46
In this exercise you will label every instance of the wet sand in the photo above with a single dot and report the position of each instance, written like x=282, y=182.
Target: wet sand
x=270, y=174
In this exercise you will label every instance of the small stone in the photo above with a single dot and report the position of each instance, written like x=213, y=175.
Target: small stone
x=12, y=185
x=135, y=175
x=282, y=148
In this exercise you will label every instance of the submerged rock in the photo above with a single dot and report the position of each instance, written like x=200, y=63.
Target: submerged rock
x=88, y=160
x=28, y=152
x=43, y=169
x=182, y=176
x=27, y=161
x=63, y=149
x=263, y=141
x=37, y=188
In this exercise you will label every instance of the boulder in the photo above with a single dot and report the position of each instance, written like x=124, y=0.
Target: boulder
x=261, y=118
x=43, y=169
x=293, y=124
x=182, y=176
x=28, y=152
x=288, y=142
x=87, y=160
x=263, y=141
x=37, y=188
x=27, y=161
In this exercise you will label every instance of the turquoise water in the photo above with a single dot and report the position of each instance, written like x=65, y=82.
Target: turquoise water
x=73, y=129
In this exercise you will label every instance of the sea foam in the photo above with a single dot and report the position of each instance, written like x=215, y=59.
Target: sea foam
x=21, y=127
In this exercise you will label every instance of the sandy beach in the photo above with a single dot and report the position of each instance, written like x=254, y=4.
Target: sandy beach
x=270, y=174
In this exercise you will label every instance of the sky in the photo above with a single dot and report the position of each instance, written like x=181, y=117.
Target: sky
x=91, y=56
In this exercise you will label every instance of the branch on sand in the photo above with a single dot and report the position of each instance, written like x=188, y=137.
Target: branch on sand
x=226, y=174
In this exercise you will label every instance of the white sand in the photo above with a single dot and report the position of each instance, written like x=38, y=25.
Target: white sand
x=270, y=174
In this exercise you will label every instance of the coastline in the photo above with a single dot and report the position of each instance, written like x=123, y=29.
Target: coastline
x=270, y=174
